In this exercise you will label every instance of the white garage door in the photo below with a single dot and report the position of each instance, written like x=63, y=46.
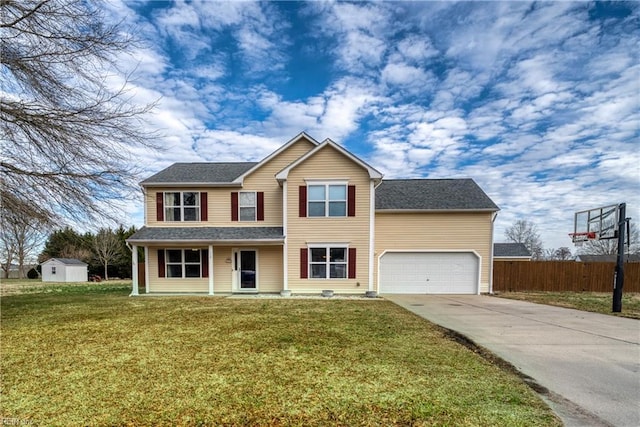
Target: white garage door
x=429, y=273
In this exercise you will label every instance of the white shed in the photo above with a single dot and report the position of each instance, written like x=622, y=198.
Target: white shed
x=64, y=270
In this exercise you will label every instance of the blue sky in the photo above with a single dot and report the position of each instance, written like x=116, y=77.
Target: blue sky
x=537, y=102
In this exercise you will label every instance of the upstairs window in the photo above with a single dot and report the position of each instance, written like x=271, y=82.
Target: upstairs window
x=247, y=206
x=182, y=206
x=332, y=199
x=327, y=200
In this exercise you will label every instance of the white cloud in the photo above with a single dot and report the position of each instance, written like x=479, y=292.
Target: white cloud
x=416, y=49
x=538, y=102
x=232, y=146
x=405, y=75
x=360, y=32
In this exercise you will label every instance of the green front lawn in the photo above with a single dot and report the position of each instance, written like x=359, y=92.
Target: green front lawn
x=596, y=302
x=99, y=357
x=24, y=286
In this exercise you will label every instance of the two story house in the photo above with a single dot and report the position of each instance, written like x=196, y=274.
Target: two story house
x=309, y=217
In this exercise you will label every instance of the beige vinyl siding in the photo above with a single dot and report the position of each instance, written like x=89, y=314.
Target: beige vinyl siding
x=328, y=164
x=436, y=231
x=270, y=268
x=269, y=271
x=263, y=179
x=222, y=269
x=219, y=198
x=164, y=284
x=218, y=209
x=213, y=203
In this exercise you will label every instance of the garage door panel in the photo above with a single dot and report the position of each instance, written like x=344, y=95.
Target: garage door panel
x=429, y=273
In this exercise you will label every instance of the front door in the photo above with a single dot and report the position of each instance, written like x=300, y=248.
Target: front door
x=247, y=270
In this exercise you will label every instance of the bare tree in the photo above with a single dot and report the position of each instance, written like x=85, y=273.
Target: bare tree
x=29, y=236
x=65, y=133
x=523, y=231
x=561, y=254
x=76, y=252
x=20, y=236
x=107, y=248
x=7, y=245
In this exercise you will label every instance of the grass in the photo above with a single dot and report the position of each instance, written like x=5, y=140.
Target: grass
x=94, y=356
x=22, y=286
x=586, y=301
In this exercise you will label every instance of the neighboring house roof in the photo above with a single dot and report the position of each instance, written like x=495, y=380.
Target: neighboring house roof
x=199, y=174
x=66, y=261
x=432, y=195
x=207, y=234
x=607, y=258
x=510, y=250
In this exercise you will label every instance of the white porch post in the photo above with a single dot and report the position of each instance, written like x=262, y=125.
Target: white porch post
x=146, y=270
x=134, y=270
x=210, y=266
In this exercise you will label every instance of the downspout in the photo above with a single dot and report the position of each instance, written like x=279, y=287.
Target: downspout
x=372, y=237
x=285, y=245
x=372, y=230
x=493, y=220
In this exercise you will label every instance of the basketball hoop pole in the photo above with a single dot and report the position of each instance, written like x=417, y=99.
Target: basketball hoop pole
x=619, y=279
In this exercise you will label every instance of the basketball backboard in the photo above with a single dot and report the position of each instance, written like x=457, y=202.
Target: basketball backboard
x=599, y=224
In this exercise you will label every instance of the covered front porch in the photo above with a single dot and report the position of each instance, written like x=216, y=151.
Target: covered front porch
x=209, y=260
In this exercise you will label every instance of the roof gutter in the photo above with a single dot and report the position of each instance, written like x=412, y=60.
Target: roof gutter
x=381, y=210
x=206, y=241
x=191, y=184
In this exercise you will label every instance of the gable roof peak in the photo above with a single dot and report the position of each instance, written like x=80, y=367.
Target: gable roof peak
x=295, y=139
x=373, y=173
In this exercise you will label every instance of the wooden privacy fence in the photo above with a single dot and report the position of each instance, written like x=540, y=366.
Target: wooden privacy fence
x=558, y=276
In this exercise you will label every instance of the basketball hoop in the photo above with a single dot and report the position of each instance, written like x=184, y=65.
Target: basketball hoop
x=604, y=223
x=579, y=238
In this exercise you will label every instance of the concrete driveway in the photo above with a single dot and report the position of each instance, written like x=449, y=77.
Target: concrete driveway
x=589, y=362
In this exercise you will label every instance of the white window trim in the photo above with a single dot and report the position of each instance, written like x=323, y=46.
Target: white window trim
x=255, y=206
x=182, y=263
x=197, y=206
x=327, y=263
x=327, y=183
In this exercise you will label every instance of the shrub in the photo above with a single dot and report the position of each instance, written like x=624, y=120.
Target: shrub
x=32, y=274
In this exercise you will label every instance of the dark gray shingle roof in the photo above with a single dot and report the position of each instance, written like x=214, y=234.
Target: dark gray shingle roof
x=510, y=250
x=211, y=173
x=206, y=234
x=432, y=194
